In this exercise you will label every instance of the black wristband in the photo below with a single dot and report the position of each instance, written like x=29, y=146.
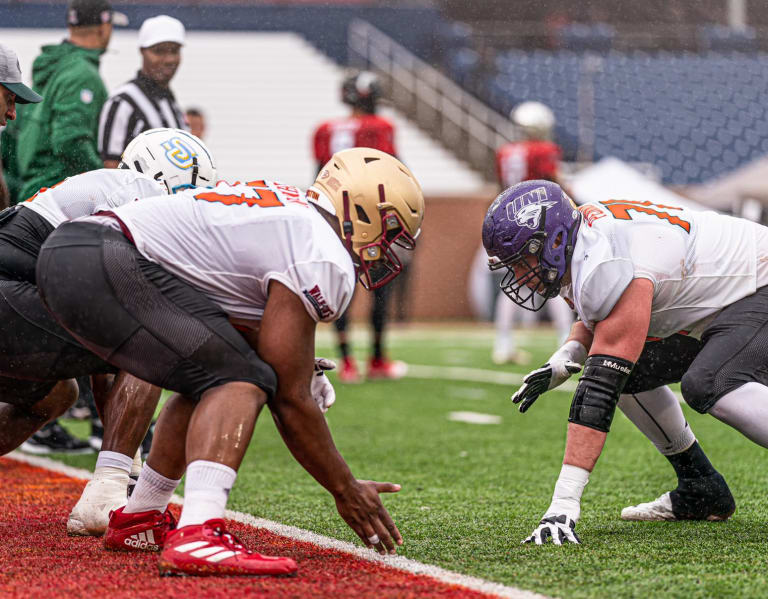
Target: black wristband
x=597, y=393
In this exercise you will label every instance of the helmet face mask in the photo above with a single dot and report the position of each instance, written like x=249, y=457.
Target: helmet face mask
x=531, y=230
x=378, y=205
x=174, y=157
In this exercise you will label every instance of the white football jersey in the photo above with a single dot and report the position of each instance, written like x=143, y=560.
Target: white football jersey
x=90, y=192
x=698, y=262
x=231, y=241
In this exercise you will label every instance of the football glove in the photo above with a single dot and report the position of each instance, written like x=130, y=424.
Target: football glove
x=557, y=528
x=563, y=363
x=322, y=391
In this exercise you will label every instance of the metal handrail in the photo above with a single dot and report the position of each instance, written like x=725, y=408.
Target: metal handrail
x=460, y=121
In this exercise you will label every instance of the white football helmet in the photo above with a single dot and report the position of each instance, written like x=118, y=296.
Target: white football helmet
x=174, y=157
x=534, y=119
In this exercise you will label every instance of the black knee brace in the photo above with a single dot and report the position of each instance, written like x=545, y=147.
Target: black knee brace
x=597, y=394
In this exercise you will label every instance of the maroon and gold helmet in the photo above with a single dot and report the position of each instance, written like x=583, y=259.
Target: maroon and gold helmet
x=379, y=205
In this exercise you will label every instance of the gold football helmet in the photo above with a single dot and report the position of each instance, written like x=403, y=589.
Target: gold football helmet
x=378, y=204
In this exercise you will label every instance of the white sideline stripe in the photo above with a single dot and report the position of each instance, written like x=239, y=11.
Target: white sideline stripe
x=474, y=418
x=479, y=375
x=474, y=375
x=393, y=561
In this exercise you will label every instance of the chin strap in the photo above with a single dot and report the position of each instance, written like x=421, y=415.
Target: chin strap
x=195, y=171
x=346, y=226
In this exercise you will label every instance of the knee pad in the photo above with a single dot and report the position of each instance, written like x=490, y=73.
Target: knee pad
x=698, y=390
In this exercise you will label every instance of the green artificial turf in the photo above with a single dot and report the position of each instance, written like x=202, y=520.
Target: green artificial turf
x=472, y=492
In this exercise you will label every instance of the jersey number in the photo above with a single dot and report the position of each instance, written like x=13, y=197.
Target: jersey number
x=262, y=196
x=620, y=209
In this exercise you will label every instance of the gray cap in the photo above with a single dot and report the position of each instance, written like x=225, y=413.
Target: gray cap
x=10, y=77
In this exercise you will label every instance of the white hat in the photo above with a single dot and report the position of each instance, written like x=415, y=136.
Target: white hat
x=157, y=30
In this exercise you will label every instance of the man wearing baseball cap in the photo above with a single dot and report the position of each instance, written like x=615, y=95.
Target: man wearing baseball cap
x=145, y=102
x=12, y=91
x=57, y=138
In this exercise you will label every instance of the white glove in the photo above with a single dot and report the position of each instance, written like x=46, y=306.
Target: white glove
x=564, y=362
x=321, y=389
x=558, y=528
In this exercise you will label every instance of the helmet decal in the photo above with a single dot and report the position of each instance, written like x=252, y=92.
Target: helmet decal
x=179, y=153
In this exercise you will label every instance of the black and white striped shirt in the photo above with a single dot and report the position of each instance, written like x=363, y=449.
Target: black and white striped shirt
x=134, y=107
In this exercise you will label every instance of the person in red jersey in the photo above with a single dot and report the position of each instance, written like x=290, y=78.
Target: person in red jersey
x=535, y=156
x=363, y=128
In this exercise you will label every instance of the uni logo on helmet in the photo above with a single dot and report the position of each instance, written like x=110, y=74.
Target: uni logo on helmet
x=179, y=153
x=525, y=210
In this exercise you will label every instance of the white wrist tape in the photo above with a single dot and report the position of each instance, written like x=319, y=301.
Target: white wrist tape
x=570, y=351
x=567, y=496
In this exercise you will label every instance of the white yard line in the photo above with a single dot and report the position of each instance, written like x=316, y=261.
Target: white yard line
x=398, y=562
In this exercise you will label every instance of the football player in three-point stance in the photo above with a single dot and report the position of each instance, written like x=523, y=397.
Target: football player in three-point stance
x=664, y=294
x=35, y=347
x=278, y=261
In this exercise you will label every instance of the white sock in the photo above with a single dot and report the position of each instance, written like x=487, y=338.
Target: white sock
x=206, y=491
x=114, y=460
x=658, y=415
x=746, y=410
x=137, y=464
x=152, y=492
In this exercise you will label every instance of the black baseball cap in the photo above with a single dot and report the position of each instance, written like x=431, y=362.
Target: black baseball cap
x=93, y=12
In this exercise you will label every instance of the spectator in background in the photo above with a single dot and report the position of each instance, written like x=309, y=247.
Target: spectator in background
x=147, y=101
x=12, y=91
x=362, y=128
x=196, y=122
x=56, y=139
x=536, y=156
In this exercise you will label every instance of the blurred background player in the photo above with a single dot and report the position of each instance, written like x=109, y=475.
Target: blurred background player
x=362, y=128
x=56, y=139
x=147, y=101
x=195, y=121
x=535, y=156
x=12, y=91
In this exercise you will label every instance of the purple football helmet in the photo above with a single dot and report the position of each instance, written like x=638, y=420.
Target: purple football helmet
x=530, y=229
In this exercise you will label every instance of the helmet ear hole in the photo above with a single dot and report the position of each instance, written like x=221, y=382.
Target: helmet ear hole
x=361, y=215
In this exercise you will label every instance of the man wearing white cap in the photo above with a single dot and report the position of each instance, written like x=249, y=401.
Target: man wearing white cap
x=145, y=102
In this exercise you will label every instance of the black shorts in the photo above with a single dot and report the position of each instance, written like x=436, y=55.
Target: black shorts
x=141, y=318
x=22, y=233
x=733, y=351
x=35, y=349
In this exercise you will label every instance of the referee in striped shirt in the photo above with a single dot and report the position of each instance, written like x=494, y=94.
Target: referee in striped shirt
x=145, y=102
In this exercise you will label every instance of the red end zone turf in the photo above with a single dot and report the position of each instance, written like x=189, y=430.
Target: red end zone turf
x=38, y=559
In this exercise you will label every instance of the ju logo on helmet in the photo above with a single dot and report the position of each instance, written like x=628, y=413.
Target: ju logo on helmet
x=526, y=209
x=179, y=153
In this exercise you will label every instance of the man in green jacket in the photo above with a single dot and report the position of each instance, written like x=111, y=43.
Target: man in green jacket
x=57, y=138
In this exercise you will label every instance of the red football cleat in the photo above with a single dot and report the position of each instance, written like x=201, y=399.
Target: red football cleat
x=209, y=550
x=381, y=368
x=142, y=531
x=348, y=372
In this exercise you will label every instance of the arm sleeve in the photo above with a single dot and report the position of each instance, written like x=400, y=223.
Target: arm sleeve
x=74, y=122
x=114, y=128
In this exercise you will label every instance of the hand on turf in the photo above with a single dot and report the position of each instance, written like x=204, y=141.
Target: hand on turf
x=558, y=528
x=361, y=508
x=543, y=379
x=320, y=387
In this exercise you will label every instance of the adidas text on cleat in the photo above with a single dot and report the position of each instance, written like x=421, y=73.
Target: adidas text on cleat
x=142, y=531
x=90, y=515
x=209, y=550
